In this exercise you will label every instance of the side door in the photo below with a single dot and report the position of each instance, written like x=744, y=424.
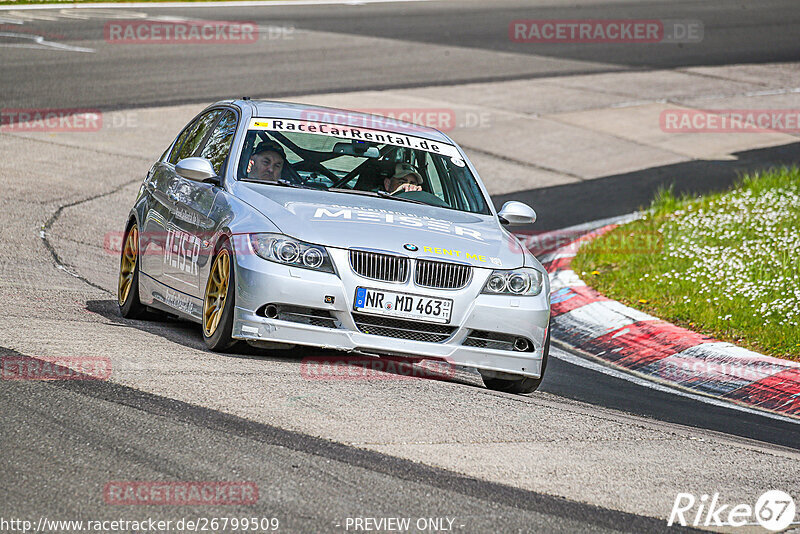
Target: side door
x=191, y=229
x=153, y=230
x=169, y=191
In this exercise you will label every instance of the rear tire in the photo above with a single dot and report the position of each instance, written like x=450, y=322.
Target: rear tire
x=522, y=385
x=130, y=306
x=219, y=301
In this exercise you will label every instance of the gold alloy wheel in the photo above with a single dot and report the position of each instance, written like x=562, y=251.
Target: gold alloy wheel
x=216, y=291
x=127, y=266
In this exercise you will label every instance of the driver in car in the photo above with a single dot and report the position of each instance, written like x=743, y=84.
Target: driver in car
x=405, y=178
x=266, y=162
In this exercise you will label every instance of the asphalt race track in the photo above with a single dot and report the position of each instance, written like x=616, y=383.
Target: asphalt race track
x=589, y=451
x=158, y=75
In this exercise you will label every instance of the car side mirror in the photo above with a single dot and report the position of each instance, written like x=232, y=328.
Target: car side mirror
x=514, y=212
x=196, y=169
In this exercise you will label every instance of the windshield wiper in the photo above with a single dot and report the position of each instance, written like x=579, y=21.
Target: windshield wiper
x=384, y=194
x=287, y=183
x=281, y=182
x=352, y=191
x=381, y=194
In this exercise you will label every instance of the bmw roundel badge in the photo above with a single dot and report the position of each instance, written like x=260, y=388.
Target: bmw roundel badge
x=412, y=248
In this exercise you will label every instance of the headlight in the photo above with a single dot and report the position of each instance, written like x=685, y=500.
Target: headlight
x=516, y=282
x=283, y=249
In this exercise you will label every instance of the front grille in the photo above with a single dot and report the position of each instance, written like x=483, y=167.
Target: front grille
x=493, y=340
x=442, y=275
x=376, y=266
x=403, y=329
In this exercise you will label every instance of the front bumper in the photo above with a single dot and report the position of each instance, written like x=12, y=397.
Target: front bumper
x=260, y=282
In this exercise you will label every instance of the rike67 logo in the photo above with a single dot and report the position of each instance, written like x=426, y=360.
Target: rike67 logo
x=774, y=510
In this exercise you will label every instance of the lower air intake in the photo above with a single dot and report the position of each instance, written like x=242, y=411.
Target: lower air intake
x=496, y=341
x=403, y=329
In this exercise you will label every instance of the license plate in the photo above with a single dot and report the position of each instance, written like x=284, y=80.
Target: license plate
x=403, y=305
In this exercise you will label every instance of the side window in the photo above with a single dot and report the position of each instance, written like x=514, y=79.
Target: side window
x=196, y=136
x=219, y=143
x=173, y=156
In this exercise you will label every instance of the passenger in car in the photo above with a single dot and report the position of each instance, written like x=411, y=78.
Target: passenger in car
x=266, y=162
x=405, y=178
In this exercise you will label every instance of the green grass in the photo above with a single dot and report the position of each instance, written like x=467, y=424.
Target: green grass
x=726, y=265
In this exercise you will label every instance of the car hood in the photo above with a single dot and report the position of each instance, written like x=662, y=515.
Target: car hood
x=342, y=220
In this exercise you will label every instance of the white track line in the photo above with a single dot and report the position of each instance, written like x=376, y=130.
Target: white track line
x=626, y=375
x=280, y=3
x=39, y=42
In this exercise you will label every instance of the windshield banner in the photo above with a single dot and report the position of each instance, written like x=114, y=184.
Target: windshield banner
x=358, y=134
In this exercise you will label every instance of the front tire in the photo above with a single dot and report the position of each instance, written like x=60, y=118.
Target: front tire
x=522, y=385
x=128, y=286
x=219, y=301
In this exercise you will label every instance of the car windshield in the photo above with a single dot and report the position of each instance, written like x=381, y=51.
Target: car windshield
x=345, y=159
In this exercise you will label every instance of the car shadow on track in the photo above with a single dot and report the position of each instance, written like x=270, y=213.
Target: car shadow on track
x=317, y=363
x=566, y=205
